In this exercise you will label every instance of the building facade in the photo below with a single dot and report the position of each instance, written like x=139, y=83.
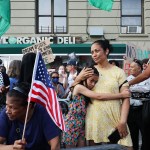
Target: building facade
x=73, y=23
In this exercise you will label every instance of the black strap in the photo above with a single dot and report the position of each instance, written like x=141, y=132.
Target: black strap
x=122, y=84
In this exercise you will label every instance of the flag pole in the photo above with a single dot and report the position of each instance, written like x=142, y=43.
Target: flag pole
x=25, y=122
x=29, y=100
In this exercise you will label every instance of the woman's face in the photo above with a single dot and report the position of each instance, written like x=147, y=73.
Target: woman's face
x=55, y=78
x=135, y=69
x=98, y=54
x=91, y=81
x=14, y=109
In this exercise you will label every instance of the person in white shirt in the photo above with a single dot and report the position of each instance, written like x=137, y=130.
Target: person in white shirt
x=137, y=92
x=146, y=108
x=71, y=69
x=72, y=74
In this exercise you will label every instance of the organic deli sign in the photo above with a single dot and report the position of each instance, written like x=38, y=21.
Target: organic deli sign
x=34, y=40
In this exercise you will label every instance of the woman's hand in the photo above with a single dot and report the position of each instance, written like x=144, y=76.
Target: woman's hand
x=126, y=93
x=19, y=145
x=122, y=128
x=85, y=73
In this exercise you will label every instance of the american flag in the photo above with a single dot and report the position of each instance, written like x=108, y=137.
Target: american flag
x=43, y=92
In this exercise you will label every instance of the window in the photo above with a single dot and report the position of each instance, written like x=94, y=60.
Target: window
x=131, y=15
x=51, y=16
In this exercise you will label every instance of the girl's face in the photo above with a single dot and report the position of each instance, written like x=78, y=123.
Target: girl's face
x=98, y=54
x=91, y=81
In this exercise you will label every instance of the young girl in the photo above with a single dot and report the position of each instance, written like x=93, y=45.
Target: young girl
x=75, y=119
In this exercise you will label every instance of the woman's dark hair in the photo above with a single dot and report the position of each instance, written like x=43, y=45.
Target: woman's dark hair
x=27, y=66
x=104, y=44
x=54, y=72
x=20, y=91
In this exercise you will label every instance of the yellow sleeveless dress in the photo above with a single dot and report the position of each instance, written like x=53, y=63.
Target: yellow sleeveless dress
x=103, y=116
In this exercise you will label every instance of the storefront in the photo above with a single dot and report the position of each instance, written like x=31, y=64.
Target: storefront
x=11, y=48
x=9, y=52
x=14, y=51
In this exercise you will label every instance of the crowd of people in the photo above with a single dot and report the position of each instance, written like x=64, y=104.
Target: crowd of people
x=101, y=100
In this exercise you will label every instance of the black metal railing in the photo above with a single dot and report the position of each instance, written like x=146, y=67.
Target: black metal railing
x=48, y=29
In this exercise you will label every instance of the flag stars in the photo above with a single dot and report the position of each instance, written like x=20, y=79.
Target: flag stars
x=42, y=74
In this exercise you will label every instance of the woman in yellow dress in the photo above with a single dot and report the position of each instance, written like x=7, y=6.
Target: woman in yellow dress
x=105, y=116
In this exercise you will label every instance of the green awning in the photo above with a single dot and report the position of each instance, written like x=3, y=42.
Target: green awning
x=60, y=48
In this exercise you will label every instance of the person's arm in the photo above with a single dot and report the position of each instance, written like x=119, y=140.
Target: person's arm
x=122, y=125
x=5, y=147
x=54, y=143
x=80, y=89
x=18, y=145
x=143, y=76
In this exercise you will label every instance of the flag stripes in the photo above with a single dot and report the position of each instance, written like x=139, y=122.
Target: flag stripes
x=42, y=92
